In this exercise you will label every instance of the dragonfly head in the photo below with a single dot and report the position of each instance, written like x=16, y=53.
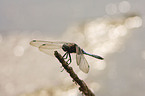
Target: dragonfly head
x=65, y=47
x=69, y=47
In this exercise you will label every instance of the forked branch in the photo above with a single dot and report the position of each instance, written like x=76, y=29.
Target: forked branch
x=83, y=87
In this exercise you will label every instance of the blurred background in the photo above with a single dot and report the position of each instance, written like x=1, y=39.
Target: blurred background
x=113, y=29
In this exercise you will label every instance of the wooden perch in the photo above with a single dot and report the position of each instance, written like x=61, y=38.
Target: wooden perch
x=83, y=87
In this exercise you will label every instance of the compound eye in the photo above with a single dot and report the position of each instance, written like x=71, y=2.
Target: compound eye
x=64, y=47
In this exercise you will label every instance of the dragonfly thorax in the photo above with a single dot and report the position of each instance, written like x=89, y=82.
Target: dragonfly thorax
x=69, y=47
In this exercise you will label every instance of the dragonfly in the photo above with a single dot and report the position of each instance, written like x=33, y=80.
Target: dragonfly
x=68, y=48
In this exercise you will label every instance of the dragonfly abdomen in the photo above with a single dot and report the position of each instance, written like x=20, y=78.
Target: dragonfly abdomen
x=95, y=56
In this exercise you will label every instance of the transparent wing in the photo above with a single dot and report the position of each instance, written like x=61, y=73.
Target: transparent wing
x=81, y=61
x=38, y=43
x=47, y=47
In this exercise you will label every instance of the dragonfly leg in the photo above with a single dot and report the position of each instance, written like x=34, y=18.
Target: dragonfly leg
x=62, y=70
x=65, y=55
x=69, y=60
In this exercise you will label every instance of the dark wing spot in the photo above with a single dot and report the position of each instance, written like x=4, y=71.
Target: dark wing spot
x=43, y=44
x=34, y=40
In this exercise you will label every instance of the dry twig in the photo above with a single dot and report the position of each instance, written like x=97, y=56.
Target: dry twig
x=83, y=87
